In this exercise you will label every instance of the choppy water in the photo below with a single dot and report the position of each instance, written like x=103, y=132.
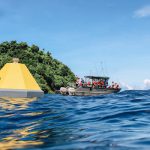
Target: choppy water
x=116, y=121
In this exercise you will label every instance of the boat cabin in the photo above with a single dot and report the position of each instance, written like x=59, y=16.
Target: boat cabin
x=95, y=81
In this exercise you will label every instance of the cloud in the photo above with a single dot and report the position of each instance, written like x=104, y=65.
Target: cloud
x=142, y=12
x=143, y=86
x=147, y=84
x=126, y=86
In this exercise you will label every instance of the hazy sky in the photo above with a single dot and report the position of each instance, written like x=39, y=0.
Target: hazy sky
x=86, y=34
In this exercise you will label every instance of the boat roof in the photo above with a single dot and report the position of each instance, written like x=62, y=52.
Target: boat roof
x=96, y=77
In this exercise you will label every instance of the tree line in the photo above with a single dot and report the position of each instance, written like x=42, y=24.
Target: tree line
x=49, y=72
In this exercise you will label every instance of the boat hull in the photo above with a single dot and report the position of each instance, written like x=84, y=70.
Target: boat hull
x=92, y=92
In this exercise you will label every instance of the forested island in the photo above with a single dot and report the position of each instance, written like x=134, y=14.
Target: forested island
x=50, y=73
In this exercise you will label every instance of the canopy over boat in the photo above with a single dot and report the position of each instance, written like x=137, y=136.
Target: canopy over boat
x=97, y=77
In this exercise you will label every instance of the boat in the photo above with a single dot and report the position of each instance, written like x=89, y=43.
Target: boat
x=91, y=86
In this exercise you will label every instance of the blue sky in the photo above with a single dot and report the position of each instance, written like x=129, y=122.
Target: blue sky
x=86, y=35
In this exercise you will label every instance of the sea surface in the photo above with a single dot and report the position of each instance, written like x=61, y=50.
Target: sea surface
x=55, y=122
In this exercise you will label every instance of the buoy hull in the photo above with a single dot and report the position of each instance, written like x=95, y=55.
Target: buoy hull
x=21, y=93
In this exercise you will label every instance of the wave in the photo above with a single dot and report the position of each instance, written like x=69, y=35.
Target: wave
x=114, y=121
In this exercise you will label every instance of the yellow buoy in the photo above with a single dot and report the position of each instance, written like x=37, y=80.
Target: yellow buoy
x=17, y=81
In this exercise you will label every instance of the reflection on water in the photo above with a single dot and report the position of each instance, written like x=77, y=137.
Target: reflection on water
x=116, y=121
x=14, y=139
x=17, y=138
x=15, y=103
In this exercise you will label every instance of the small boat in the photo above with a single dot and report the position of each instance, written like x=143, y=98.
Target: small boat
x=93, y=85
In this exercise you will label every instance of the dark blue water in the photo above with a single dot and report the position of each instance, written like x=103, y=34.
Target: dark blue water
x=111, y=122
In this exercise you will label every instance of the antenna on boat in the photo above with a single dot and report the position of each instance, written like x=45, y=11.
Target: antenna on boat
x=102, y=68
x=90, y=73
x=96, y=71
x=107, y=70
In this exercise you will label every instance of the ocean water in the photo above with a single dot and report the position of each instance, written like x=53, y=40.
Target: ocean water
x=55, y=122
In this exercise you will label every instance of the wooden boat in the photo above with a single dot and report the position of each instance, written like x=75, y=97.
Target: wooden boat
x=85, y=89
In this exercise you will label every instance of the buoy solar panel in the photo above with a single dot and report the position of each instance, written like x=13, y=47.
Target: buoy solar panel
x=16, y=81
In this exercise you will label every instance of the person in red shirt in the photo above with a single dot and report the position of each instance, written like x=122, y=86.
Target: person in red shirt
x=93, y=84
x=102, y=83
x=99, y=84
x=89, y=83
x=80, y=84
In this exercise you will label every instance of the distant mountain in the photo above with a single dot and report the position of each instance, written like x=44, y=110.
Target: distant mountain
x=50, y=73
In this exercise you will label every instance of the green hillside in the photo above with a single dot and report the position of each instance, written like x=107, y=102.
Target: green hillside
x=50, y=73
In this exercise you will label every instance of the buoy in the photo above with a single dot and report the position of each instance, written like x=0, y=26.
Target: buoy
x=16, y=81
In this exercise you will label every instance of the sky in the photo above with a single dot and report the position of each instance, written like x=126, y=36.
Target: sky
x=92, y=37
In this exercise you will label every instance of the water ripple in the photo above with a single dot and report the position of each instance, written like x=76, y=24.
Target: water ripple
x=116, y=121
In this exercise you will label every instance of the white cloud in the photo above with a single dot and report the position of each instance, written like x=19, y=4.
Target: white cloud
x=147, y=84
x=142, y=12
x=143, y=86
x=126, y=86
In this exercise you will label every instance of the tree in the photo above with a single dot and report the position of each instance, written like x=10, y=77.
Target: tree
x=50, y=73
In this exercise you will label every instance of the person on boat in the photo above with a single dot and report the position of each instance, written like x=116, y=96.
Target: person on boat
x=77, y=81
x=102, y=83
x=82, y=80
x=85, y=84
x=93, y=84
x=99, y=84
x=89, y=84
x=81, y=83
x=106, y=83
x=116, y=86
x=109, y=87
x=113, y=84
x=96, y=83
